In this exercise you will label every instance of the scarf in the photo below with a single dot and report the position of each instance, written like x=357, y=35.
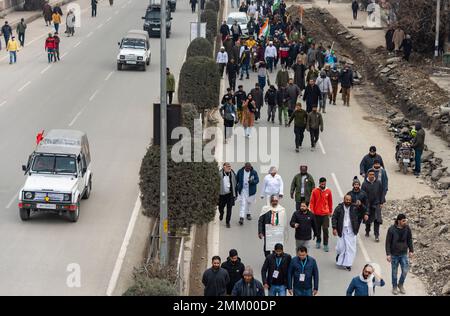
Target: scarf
x=275, y=221
x=369, y=282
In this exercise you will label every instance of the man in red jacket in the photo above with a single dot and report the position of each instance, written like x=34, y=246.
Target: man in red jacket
x=321, y=204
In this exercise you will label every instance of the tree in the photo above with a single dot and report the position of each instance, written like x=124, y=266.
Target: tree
x=199, y=47
x=210, y=17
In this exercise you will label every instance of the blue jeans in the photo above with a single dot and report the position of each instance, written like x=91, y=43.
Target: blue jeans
x=244, y=68
x=12, y=57
x=404, y=265
x=56, y=25
x=277, y=289
x=262, y=82
x=303, y=292
x=269, y=61
x=50, y=54
x=418, y=160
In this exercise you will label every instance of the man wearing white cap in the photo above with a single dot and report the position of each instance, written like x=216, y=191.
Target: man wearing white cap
x=270, y=54
x=222, y=60
x=273, y=185
x=272, y=215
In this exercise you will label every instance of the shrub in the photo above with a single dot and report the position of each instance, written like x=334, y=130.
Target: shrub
x=199, y=83
x=193, y=187
x=212, y=5
x=199, y=47
x=210, y=17
x=144, y=286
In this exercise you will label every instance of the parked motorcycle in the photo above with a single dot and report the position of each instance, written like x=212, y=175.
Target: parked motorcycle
x=405, y=156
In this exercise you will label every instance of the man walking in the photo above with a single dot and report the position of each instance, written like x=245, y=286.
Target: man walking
x=235, y=269
x=50, y=46
x=364, y=284
x=312, y=95
x=70, y=23
x=314, y=126
x=170, y=84
x=321, y=205
x=269, y=55
x=193, y=5
x=94, y=8
x=334, y=78
x=228, y=113
x=275, y=271
x=215, y=279
x=222, y=60
x=375, y=197
x=381, y=175
x=346, y=80
x=247, y=181
x=272, y=215
x=345, y=225
x=6, y=31
x=398, y=242
x=273, y=184
x=282, y=77
x=258, y=96
x=294, y=92
x=12, y=47
x=228, y=191
x=355, y=8
x=418, y=144
x=271, y=100
x=359, y=200
x=57, y=42
x=302, y=186
x=300, y=118
x=248, y=286
x=232, y=70
x=368, y=161
x=324, y=84
x=20, y=29
x=56, y=18
x=304, y=222
x=283, y=102
x=303, y=275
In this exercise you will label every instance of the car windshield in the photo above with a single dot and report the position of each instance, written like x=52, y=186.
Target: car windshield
x=153, y=15
x=239, y=19
x=54, y=164
x=133, y=43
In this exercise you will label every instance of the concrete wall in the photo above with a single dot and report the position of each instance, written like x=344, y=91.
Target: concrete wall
x=9, y=4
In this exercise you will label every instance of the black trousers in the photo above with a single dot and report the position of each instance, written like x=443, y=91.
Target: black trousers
x=228, y=201
x=314, y=133
x=322, y=222
x=94, y=11
x=21, y=39
x=299, y=135
x=376, y=224
x=232, y=82
x=355, y=15
x=170, y=96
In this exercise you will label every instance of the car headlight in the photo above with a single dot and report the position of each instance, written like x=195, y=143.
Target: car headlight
x=140, y=58
x=67, y=198
x=28, y=195
x=122, y=56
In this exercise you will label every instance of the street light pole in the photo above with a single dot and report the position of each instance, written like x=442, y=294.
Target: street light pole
x=438, y=23
x=198, y=18
x=163, y=217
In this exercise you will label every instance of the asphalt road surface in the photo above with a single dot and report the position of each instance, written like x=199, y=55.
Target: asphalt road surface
x=82, y=91
x=347, y=137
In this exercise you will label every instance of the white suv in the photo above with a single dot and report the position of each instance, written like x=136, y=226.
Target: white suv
x=134, y=50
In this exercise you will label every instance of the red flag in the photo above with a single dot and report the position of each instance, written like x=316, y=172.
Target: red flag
x=39, y=137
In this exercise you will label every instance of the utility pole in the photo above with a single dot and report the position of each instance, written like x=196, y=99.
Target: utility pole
x=198, y=18
x=438, y=23
x=163, y=216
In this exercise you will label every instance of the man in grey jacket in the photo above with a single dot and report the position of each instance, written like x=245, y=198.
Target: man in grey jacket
x=294, y=92
x=314, y=126
x=324, y=84
x=228, y=191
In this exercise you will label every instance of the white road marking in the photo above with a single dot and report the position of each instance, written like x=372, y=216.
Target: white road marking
x=360, y=242
x=64, y=55
x=75, y=118
x=77, y=44
x=109, y=75
x=100, y=26
x=3, y=103
x=14, y=198
x=123, y=249
x=321, y=147
x=37, y=38
x=108, y=19
x=45, y=69
x=24, y=86
x=93, y=96
x=90, y=34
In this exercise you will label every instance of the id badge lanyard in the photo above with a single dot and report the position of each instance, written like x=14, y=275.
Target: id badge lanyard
x=302, y=274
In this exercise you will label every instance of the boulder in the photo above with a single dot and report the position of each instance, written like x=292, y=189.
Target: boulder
x=385, y=70
x=443, y=229
x=436, y=174
x=444, y=183
x=393, y=60
x=397, y=120
x=427, y=155
x=446, y=289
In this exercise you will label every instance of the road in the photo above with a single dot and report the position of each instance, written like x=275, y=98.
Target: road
x=348, y=134
x=82, y=91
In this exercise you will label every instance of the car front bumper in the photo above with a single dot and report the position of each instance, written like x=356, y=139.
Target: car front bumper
x=47, y=207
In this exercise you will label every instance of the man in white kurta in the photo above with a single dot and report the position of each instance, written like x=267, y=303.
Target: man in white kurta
x=272, y=185
x=247, y=180
x=346, y=225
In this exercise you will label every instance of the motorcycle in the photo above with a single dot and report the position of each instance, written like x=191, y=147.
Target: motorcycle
x=405, y=156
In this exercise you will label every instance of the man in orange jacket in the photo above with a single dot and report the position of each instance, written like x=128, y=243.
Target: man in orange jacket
x=321, y=204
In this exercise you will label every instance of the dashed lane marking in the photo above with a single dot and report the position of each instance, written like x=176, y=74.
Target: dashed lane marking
x=24, y=86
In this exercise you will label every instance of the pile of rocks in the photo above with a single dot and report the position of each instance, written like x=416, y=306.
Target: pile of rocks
x=429, y=219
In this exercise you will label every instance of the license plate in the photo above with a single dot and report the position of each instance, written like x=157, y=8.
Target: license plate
x=47, y=206
x=131, y=62
x=406, y=160
x=156, y=29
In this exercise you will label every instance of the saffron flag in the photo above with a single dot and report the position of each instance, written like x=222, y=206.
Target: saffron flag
x=39, y=137
x=264, y=30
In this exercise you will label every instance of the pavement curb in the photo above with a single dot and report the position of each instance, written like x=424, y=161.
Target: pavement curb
x=188, y=249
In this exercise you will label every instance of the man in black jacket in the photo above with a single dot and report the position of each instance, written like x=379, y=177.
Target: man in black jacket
x=224, y=30
x=271, y=100
x=359, y=200
x=275, y=271
x=376, y=199
x=346, y=80
x=398, y=242
x=345, y=225
x=257, y=94
x=312, y=95
x=215, y=279
x=235, y=269
x=304, y=222
x=240, y=97
x=368, y=161
x=232, y=71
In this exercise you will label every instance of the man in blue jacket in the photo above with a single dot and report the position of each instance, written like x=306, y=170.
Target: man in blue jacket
x=303, y=274
x=364, y=284
x=247, y=181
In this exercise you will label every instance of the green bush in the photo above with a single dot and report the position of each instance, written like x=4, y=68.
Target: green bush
x=199, y=47
x=210, y=17
x=212, y=5
x=199, y=83
x=193, y=187
x=144, y=286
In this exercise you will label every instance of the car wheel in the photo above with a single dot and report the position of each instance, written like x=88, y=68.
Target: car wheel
x=87, y=193
x=74, y=215
x=24, y=214
x=119, y=67
x=148, y=62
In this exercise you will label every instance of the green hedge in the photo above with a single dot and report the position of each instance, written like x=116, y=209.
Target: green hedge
x=144, y=286
x=193, y=187
x=210, y=17
x=199, y=47
x=212, y=5
x=199, y=83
